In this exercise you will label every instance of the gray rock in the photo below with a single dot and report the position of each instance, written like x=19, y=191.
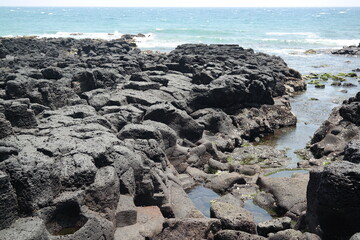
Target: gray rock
x=356, y=236
x=149, y=224
x=180, y=204
x=142, y=86
x=126, y=213
x=334, y=205
x=103, y=195
x=5, y=127
x=180, y=121
x=20, y=115
x=341, y=127
x=51, y=73
x=168, y=135
x=352, y=151
x=265, y=156
x=273, y=226
x=217, y=165
x=214, y=120
x=93, y=228
x=287, y=192
x=189, y=228
x=265, y=200
x=291, y=234
x=233, y=216
x=236, y=235
x=8, y=202
x=139, y=131
x=224, y=181
x=35, y=179
x=77, y=170
x=31, y=228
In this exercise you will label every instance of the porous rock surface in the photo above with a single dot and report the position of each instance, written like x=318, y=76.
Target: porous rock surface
x=94, y=130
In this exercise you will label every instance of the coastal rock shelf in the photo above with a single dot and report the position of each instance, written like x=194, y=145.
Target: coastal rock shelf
x=99, y=140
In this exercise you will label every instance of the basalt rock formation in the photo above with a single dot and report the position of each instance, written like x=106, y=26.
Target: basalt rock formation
x=97, y=136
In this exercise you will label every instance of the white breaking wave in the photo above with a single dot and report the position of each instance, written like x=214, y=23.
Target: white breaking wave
x=77, y=35
x=152, y=42
x=319, y=41
x=307, y=34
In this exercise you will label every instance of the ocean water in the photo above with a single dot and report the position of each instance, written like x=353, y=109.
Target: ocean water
x=286, y=32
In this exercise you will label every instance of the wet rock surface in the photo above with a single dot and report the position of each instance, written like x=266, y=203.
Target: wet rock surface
x=332, y=137
x=99, y=140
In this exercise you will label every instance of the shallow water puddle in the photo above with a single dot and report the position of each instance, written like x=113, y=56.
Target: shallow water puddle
x=260, y=214
x=287, y=173
x=201, y=197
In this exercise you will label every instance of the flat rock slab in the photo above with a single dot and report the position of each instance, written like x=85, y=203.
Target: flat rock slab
x=32, y=228
x=181, y=205
x=189, y=228
x=287, y=192
x=224, y=181
x=149, y=223
x=233, y=216
x=273, y=226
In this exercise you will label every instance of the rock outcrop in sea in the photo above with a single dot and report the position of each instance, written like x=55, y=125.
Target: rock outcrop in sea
x=99, y=140
x=348, y=50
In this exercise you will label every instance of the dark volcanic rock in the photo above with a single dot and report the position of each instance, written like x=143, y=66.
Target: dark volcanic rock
x=84, y=123
x=8, y=202
x=352, y=151
x=348, y=50
x=341, y=127
x=180, y=121
x=333, y=208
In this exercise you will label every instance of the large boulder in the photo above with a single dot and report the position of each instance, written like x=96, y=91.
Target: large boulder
x=180, y=121
x=333, y=207
x=289, y=192
x=341, y=127
x=233, y=216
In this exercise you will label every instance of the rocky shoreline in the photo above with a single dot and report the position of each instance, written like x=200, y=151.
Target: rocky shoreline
x=100, y=140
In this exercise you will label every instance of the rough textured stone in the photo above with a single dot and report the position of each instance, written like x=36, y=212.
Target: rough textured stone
x=189, y=228
x=32, y=228
x=334, y=206
x=126, y=213
x=236, y=235
x=8, y=202
x=287, y=192
x=273, y=226
x=233, y=216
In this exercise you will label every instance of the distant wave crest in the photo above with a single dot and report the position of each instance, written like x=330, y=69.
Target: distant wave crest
x=306, y=34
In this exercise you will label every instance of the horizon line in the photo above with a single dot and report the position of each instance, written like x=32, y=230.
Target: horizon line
x=191, y=6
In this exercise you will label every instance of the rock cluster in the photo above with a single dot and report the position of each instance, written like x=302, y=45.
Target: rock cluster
x=98, y=138
x=348, y=50
x=334, y=134
x=332, y=192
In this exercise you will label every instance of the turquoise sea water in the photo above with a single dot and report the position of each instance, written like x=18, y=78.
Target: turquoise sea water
x=287, y=32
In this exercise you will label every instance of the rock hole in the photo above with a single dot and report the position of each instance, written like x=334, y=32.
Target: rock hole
x=66, y=219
